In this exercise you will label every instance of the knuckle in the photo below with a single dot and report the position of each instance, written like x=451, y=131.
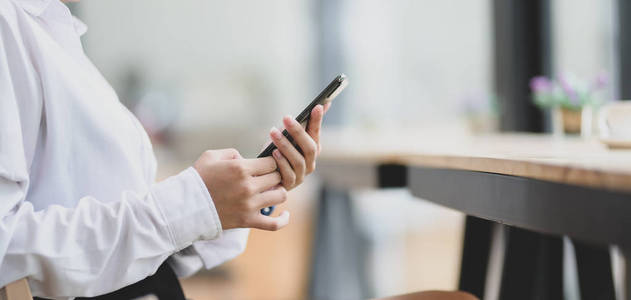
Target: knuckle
x=233, y=165
x=238, y=169
x=300, y=165
x=309, y=153
x=247, y=188
x=207, y=163
x=290, y=180
x=310, y=150
x=208, y=154
x=277, y=177
x=283, y=195
x=233, y=151
x=283, y=143
x=292, y=177
x=293, y=127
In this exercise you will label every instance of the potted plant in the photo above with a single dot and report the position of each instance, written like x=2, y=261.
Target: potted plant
x=570, y=101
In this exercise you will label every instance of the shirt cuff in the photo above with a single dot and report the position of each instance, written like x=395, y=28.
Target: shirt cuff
x=187, y=207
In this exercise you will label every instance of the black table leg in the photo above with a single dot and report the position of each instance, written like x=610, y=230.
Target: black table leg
x=392, y=176
x=533, y=266
x=595, y=275
x=339, y=252
x=475, y=255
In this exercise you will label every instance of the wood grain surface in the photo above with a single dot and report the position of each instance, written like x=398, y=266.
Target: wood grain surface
x=569, y=160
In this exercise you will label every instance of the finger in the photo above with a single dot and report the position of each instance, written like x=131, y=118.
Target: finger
x=260, y=166
x=305, y=142
x=265, y=182
x=296, y=160
x=271, y=223
x=315, y=123
x=271, y=197
x=286, y=172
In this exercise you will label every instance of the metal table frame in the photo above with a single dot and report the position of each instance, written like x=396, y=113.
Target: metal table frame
x=538, y=213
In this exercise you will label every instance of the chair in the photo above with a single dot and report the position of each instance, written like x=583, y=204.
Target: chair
x=17, y=290
x=432, y=295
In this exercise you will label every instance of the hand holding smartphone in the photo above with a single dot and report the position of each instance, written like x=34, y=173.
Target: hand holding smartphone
x=327, y=95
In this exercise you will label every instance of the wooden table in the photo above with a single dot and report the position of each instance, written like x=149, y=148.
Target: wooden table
x=552, y=187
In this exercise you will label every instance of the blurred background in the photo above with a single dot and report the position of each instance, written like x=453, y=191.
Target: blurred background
x=208, y=74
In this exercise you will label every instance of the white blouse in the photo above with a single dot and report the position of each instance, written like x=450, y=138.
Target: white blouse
x=80, y=212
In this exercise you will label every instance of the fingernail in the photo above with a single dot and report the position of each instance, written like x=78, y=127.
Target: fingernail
x=275, y=133
x=276, y=153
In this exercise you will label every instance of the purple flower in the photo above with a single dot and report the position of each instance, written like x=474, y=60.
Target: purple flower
x=568, y=89
x=540, y=84
x=574, y=99
x=602, y=79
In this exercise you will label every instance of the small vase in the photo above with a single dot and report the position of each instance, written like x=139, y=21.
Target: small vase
x=571, y=120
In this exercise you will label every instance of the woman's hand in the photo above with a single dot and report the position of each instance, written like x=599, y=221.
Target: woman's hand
x=240, y=188
x=293, y=165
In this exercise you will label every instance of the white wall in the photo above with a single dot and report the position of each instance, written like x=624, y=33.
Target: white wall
x=584, y=39
x=225, y=60
x=410, y=62
x=414, y=62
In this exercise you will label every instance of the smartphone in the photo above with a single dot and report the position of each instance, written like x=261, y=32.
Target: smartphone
x=327, y=95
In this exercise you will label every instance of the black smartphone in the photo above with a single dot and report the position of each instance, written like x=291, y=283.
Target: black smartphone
x=327, y=95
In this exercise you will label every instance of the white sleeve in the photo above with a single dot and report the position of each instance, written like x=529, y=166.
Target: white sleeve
x=94, y=247
x=209, y=253
x=98, y=247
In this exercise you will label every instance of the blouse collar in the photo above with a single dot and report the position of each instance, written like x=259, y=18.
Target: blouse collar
x=34, y=7
x=37, y=7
